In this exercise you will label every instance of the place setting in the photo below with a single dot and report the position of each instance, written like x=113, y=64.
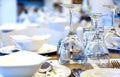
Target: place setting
x=36, y=43
x=52, y=68
x=75, y=43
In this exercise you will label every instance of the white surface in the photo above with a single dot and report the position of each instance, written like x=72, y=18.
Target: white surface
x=114, y=48
x=20, y=64
x=118, y=59
x=55, y=35
x=57, y=23
x=103, y=72
x=47, y=48
x=9, y=12
x=30, y=43
x=60, y=70
x=117, y=40
x=112, y=41
x=11, y=26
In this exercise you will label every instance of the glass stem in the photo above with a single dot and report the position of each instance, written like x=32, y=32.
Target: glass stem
x=71, y=26
x=96, y=24
x=113, y=20
x=96, y=27
x=97, y=31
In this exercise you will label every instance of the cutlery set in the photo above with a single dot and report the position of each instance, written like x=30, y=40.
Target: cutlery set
x=115, y=64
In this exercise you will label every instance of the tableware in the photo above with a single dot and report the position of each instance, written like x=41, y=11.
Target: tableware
x=102, y=72
x=77, y=72
x=117, y=41
x=60, y=70
x=112, y=43
x=45, y=49
x=21, y=64
x=8, y=49
x=44, y=67
x=113, y=32
x=96, y=51
x=114, y=50
x=115, y=64
x=71, y=48
x=29, y=43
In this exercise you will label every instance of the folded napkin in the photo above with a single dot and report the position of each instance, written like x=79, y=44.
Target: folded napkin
x=112, y=40
x=117, y=41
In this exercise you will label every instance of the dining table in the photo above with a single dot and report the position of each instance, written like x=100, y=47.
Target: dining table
x=54, y=39
x=85, y=67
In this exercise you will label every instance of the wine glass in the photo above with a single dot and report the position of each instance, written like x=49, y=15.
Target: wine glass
x=71, y=49
x=95, y=28
x=96, y=51
x=112, y=9
x=112, y=33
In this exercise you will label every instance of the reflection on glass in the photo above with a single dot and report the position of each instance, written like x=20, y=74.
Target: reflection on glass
x=112, y=33
x=71, y=48
x=96, y=51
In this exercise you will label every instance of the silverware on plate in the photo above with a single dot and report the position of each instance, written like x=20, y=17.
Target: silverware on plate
x=77, y=72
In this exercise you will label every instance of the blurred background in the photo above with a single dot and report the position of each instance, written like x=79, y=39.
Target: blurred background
x=42, y=12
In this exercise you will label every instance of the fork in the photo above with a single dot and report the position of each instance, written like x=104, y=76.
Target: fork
x=115, y=64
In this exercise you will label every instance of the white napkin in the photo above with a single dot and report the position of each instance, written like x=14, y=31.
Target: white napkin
x=112, y=40
x=117, y=41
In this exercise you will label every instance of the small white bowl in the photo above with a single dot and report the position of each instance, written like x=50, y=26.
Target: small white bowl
x=29, y=43
x=21, y=64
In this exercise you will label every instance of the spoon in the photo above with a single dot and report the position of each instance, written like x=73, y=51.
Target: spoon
x=45, y=67
x=77, y=72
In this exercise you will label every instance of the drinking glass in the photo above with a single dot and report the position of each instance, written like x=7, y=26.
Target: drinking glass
x=112, y=9
x=96, y=51
x=71, y=49
x=112, y=33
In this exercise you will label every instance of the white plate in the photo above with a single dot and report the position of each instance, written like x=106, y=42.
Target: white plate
x=46, y=48
x=102, y=72
x=60, y=70
x=114, y=48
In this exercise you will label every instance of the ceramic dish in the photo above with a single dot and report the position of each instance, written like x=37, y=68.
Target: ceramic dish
x=60, y=70
x=45, y=49
x=102, y=72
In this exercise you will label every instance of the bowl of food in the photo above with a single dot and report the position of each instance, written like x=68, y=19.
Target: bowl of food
x=29, y=43
x=21, y=64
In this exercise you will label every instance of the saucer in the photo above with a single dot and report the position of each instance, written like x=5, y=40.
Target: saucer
x=45, y=49
x=114, y=50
